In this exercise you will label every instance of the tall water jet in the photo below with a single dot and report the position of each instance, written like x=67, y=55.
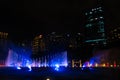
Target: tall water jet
x=11, y=58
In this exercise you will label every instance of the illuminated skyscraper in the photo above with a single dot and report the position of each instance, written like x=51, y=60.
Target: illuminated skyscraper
x=94, y=28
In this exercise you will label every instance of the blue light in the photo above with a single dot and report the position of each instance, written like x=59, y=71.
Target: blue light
x=90, y=68
x=18, y=68
x=57, y=67
x=30, y=69
x=16, y=59
x=83, y=66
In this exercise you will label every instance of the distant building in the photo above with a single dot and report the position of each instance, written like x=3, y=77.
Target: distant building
x=3, y=46
x=94, y=27
x=55, y=43
x=38, y=45
x=114, y=35
x=75, y=40
x=3, y=38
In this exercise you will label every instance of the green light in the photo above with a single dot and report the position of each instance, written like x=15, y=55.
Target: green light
x=95, y=40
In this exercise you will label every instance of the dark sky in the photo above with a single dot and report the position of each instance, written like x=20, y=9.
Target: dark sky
x=26, y=18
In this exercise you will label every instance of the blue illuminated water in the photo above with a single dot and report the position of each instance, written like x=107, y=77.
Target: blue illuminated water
x=20, y=60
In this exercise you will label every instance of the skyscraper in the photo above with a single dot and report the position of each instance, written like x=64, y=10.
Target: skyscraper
x=94, y=27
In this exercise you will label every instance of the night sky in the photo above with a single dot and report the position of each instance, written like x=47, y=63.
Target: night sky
x=26, y=18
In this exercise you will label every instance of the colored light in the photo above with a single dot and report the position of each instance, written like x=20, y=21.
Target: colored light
x=103, y=65
x=96, y=65
x=111, y=65
x=47, y=78
x=57, y=67
x=90, y=65
x=15, y=59
x=114, y=64
x=29, y=67
x=18, y=68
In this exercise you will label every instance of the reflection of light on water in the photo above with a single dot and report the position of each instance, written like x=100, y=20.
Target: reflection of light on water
x=18, y=68
x=30, y=69
x=57, y=67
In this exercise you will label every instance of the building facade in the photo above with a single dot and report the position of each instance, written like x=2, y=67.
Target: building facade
x=114, y=36
x=38, y=45
x=94, y=27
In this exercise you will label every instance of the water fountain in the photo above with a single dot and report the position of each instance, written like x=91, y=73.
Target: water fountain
x=15, y=59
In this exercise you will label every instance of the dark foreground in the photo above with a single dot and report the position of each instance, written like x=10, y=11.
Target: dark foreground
x=63, y=74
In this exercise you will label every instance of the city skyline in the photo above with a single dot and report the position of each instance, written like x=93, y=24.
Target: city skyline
x=25, y=19
x=59, y=40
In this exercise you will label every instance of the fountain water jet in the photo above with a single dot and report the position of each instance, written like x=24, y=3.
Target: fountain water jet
x=20, y=60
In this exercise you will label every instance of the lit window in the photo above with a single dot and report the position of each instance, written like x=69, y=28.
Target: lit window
x=96, y=18
x=90, y=12
x=78, y=33
x=101, y=17
x=100, y=10
x=85, y=13
x=91, y=19
x=40, y=36
x=92, y=9
x=88, y=25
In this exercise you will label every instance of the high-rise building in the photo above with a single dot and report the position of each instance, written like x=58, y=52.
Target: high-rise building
x=94, y=28
x=38, y=45
x=3, y=46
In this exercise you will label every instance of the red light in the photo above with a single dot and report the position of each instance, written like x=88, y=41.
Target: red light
x=107, y=65
x=114, y=64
